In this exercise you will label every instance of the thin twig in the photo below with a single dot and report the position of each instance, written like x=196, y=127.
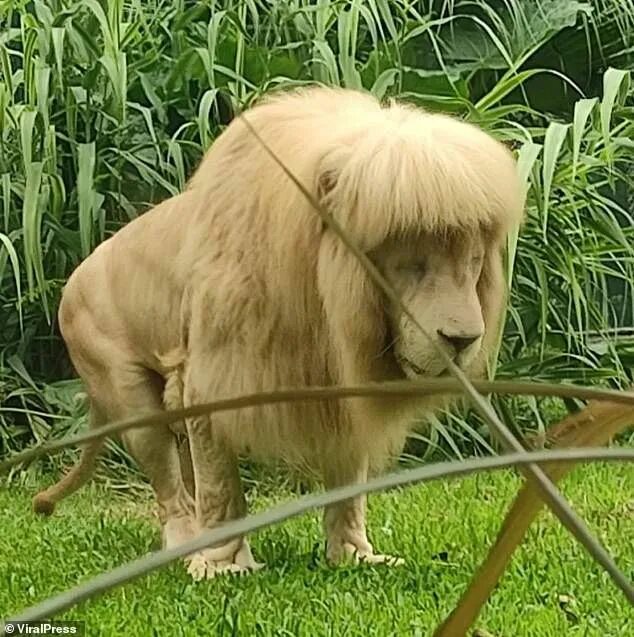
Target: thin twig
x=422, y=387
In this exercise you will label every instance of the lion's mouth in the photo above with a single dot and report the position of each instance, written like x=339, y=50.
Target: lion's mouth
x=407, y=364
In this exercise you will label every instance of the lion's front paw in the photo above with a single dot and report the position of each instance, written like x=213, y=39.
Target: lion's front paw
x=200, y=567
x=178, y=531
x=209, y=563
x=339, y=553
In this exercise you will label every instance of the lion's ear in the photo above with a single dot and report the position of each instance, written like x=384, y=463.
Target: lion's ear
x=330, y=167
x=326, y=183
x=330, y=171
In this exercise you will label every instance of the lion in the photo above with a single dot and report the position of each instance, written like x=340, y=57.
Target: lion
x=237, y=286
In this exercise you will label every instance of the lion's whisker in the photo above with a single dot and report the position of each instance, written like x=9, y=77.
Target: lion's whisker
x=387, y=348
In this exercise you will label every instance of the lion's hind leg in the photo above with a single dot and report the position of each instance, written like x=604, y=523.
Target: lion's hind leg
x=155, y=450
x=122, y=388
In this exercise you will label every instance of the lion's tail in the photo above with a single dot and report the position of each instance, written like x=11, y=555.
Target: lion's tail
x=44, y=502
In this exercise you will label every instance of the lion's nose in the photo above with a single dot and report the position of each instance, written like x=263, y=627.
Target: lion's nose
x=459, y=343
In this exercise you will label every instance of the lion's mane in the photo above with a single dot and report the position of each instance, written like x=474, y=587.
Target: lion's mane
x=287, y=304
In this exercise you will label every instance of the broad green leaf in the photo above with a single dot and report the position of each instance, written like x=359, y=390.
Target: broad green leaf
x=147, y=118
x=42, y=87
x=325, y=63
x=58, y=35
x=204, y=113
x=553, y=141
x=384, y=82
x=323, y=12
x=175, y=153
x=613, y=79
x=27, y=124
x=347, y=28
x=104, y=24
x=116, y=68
x=583, y=109
x=9, y=248
x=86, y=194
x=526, y=158
x=213, y=38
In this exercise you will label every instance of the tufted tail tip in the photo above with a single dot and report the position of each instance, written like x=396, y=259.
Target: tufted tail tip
x=43, y=505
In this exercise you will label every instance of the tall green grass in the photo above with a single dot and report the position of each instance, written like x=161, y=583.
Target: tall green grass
x=105, y=108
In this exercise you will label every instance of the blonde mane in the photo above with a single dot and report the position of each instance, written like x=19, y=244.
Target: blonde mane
x=383, y=171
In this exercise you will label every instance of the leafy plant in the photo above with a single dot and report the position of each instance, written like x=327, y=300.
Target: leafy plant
x=105, y=108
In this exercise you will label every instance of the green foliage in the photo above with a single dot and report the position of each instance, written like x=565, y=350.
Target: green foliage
x=105, y=108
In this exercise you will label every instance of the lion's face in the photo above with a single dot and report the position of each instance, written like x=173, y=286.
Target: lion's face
x=437, y=279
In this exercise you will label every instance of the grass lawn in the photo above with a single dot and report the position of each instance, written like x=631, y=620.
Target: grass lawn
x=442, y=529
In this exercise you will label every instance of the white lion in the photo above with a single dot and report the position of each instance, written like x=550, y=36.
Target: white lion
x=236, y=286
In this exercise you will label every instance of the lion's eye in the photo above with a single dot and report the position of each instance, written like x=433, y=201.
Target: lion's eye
x=414, y=268
x=477, y=261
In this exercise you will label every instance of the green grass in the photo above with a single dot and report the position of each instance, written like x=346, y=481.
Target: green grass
x=443, y=530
